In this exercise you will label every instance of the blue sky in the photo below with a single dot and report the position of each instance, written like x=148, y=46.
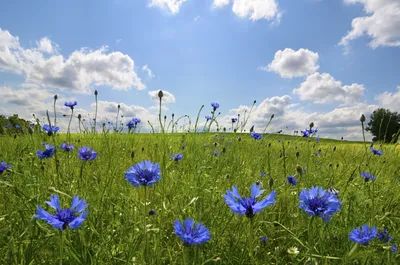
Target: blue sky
x=336, y=61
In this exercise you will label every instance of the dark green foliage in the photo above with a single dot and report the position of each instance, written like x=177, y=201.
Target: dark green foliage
x=13, y=121
x=384, y=125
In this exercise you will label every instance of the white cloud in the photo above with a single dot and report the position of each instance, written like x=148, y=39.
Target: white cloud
x=196, y=18
x=167, y=96
x=381, y=23
x=289, y=63
x=252, y=9
x=323, y=88
x=172, y=5
x=83, y=69
x=45, y=45
x=220, y=3
x=150, y=73
x=390, y=100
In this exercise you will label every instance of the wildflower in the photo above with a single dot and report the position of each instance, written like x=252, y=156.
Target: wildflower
x=191, y=234
x=17, y=126
x=8, y=125
x=248, y=206
x=234, y=120
x=264, y=240
x=215, y=105
x=48, y=152
x=215, y=153
x=262, y=174
x=292, y=180
x=131, y=124
x=362, y=235
x=4, y=167
x=136, y=120
x=152, y=212
x=293, y=251
x=256, y=136
x=85, y=154
x=144, y=173
x=208, y=118
x=393, y=248
x=317, y=139
x=63, y=218
x=67, y=147
x=319, y=202
x=383, y=236
x=71, y=104
x=367, y=176
x=47, y=128
x=376, y=152
x=176, y=157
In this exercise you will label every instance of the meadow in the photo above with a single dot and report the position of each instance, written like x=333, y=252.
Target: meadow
x=135, y=225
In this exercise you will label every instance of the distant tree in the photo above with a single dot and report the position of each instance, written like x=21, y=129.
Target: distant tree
x=384, y=125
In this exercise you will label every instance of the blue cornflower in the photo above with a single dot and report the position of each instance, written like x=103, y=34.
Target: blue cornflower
x=234, y=120
x=384, y=236
x=376, y=151
x=85, y=154
x=215, y=153
x=8, y=125
x=52, y=129
x=362, y=235
x=256, y=136
x=63, y=218
x=208, y=118
x=262, y=174
x=136, y=120
x=264, y=240
x=67, y=147
x=4, y=167
x=292, y=180
x=215, y=105
x=176, y=157
x=317, y=139
x=131, y=124
x=17, y=126
x=191, y=234
x=367, y=176
x=71, y=104
x=248, y=206
x=319, y=202
x=393, y=248
x=48, y=152
x=144, y=173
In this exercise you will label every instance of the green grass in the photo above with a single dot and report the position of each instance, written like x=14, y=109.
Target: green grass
x=114, y=230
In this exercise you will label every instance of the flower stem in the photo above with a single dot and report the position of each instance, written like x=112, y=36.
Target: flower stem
x=145, y=224
x=69, y=124
x=251, y=241
x=61, y=242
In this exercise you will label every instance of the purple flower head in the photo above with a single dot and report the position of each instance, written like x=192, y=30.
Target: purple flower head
x=393, y=248
x=256, y=136
x=190, y=233
x=319, y=202
x=52, y=129
x=264, y=240
x=72, y=217
x=376, y=151
x=131, y=124
x=176, y=157
x=363, y=235
x=208, y=118
x=17, y=126
x=144, y=173
x=136, y=120
x=48, y=152
x=317, y=139
x=367, y=176
x=292, y=180
x=67, y=147
x=71, y=104
x=384, y=236
x=248, y=206
x=234, y=120
x=85, y=154
x=4, y=167
x=8, y=125
x=262, y=174
x=215, y=105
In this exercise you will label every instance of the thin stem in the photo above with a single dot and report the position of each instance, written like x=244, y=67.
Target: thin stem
x=95, y=115
x=69, y=124
x=197, y=119
x=159, y=116
x=251, y=241
x=61, y=241
x=145, y=223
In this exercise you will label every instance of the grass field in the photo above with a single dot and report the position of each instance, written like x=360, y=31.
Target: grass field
x=119, y=230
